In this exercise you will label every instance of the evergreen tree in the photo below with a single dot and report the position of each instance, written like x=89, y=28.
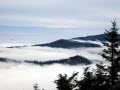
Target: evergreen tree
x=101, y=80
x=86, y=82
x=112, y=54
x=65, y=83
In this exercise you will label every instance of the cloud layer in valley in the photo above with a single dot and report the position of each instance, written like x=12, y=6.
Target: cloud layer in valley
x=23, y=76
x=47, y=53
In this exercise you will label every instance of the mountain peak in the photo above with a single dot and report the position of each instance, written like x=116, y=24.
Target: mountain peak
x=63, y=43
x=99, y=37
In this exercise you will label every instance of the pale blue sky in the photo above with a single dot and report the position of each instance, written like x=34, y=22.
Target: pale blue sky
x=47, y=20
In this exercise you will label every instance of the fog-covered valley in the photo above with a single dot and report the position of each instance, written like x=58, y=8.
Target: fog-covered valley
x=22, y=76
x=47, y=53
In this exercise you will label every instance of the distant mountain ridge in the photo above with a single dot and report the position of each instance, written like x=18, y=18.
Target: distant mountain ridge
x=99, y=37
x=63, y=43
x=71, y=43
x=75, y=60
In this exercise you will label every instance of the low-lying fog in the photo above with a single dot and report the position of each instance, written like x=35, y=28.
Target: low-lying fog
x=47, y=53
x=23, y=76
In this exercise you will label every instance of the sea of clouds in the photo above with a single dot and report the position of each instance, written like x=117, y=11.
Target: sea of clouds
x=22, y=76
x=47, y=53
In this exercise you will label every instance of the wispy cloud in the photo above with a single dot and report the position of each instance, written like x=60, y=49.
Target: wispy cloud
x=26, y=21
x=71, y=17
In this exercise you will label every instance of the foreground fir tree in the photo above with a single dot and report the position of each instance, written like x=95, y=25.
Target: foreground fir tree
x=112, y=55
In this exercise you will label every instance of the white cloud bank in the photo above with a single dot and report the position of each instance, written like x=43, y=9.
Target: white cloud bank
x=47, y=53
x=23, y=76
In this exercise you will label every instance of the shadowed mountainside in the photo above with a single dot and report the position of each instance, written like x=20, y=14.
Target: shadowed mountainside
x=75, y=60
x=100, y=37
x=62, y=43
x=70, y=43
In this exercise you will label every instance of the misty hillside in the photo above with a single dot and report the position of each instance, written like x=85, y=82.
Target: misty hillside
x=70, y=43
x=62, y=43
x=99, y=37
x=75, y=60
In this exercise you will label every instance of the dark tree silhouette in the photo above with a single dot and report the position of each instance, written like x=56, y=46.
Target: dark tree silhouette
x=93, y=80
x=36, y=87
x=65, y=83
x=86, y=82
x=112, y=54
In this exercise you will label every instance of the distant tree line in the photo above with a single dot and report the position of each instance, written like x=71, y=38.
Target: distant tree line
x=75, y=60
x=3, y=60
x=9, y=60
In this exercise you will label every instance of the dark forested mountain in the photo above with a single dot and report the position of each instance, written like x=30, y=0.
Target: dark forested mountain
x=99, y=37
x=92, y=38
x=8, y=60
x=75, y=60
x=62, y=43
x=70, y=43
x=3, y=60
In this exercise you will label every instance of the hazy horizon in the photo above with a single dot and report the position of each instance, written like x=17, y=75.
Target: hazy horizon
x=45, y=21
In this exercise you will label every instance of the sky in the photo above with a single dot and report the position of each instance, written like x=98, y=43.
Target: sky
x=40, y=21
